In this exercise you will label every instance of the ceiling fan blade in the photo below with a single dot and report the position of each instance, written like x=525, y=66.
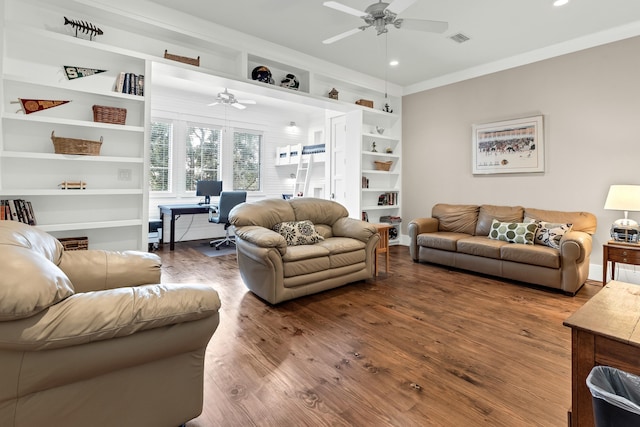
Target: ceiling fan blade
x=212, y=104
x=344, y=35
x=247, y=101
x=424, y=25
x=346, y=9
x=399, y=6
x=238, y=106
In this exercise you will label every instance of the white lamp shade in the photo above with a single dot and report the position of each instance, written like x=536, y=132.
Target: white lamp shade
x=623, y=198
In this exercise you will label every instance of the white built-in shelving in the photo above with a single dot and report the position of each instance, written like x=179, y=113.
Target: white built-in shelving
x=113, y=210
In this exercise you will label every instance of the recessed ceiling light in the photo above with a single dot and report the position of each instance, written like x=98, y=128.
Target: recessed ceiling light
x=393, y=63
x=560, y=2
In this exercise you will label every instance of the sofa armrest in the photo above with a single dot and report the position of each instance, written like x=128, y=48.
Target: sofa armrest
x=354, y=228
x=576, y=246
x=416, y=227
x=113, y=313
x=262, y=237
x=95, y=270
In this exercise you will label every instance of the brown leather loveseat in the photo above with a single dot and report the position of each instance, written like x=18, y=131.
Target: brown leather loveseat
x=339, y=250
x=90, y=338
x=460, y=236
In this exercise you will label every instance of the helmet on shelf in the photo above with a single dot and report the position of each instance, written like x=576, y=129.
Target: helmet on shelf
x=290, y=82
x=262, y=74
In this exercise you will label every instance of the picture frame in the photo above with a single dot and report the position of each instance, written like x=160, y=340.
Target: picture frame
x=509, y=146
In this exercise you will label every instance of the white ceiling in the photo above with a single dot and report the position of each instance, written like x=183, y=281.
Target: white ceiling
x=501, y=32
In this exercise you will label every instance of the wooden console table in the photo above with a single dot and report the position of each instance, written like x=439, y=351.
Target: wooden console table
x=618, y=252
x=604, y=331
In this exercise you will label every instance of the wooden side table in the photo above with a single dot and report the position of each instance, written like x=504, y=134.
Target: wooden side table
x=383, y=246
x=618, y=252
x=604, y=331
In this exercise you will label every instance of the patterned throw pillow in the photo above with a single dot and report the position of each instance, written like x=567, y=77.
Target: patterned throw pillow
x=513, y=232
x=298, y=232
x=550, y=233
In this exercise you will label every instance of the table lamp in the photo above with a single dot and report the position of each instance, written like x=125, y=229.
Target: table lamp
x=624, y=198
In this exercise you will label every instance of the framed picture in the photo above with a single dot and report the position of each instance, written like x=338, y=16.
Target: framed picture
x=510, y=146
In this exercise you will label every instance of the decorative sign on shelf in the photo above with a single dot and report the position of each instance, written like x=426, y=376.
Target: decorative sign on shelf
x=32, y=105
x=85, y=27
x=77, y=72
x=73, y=185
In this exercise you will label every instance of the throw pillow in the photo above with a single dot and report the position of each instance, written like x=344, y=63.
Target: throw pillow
x=550, y=233
x=298, y=232
x=513, y=232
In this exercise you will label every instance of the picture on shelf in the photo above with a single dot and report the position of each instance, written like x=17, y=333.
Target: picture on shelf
x=365, y=216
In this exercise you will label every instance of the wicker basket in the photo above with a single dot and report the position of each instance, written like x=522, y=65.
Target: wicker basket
x=382, y=166
x=75, y=243
x=85, y=147
x=104, y=114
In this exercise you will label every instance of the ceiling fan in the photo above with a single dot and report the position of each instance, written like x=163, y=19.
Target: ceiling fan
x=227, y=98
x=381, y=14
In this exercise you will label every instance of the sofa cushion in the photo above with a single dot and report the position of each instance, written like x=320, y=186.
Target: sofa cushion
x=531, y=254
x=481, y=246
x=29, y=283
x=443, y=240
x=318, y=211
x=513, y=232
x=340, y=245
x=550, y=233
x=298, y=232
x=582, y=221
x=488, y=213
x=264, y=213
x=456, y=218
x=305, y=259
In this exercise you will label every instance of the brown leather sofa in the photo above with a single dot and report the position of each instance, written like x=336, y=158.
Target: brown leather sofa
x=276, y=271
x=457, y=236
x=90, y=338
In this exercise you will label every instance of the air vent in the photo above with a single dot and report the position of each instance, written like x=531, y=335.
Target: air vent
x=459, y=38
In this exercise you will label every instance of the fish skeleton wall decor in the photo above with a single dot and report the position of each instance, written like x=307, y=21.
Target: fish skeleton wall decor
x=85, y=27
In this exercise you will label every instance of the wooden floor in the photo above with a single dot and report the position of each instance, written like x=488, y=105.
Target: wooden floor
x=421, y=346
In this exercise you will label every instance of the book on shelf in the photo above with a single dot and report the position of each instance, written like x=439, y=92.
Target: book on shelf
x=17, y=210
x=391, y=219
x=388, y=199
x=130, y=83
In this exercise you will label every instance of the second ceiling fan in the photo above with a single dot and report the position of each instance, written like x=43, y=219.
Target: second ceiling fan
x=381, y=14
x=227, y=98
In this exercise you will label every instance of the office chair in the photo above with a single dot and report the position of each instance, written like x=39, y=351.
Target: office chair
x=228, y=200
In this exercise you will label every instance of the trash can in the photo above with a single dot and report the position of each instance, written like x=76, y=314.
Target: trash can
x=616, y=397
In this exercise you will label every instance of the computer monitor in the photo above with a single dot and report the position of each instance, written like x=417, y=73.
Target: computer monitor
x=208, y=189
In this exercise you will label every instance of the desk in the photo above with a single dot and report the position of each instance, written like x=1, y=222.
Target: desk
x=618, y=252
x=176, y=211
x=383, y=246
x=604, y=331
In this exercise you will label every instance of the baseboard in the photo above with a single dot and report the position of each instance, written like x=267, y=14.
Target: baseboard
x=624, y=273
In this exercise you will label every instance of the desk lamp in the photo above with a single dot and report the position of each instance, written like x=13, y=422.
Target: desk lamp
x=624, y=198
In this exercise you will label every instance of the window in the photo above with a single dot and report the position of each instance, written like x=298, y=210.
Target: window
x=202, y=159
x=183, y=153
x=246, y=160
x=159, y=170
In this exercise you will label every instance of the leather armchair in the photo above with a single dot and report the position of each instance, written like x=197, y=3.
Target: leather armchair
x=93, y=338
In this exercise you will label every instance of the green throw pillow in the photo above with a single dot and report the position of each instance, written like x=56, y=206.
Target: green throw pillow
x=513, y=232
x=298, y=232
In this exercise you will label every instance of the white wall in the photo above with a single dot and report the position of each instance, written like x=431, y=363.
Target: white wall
x=591, y=106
